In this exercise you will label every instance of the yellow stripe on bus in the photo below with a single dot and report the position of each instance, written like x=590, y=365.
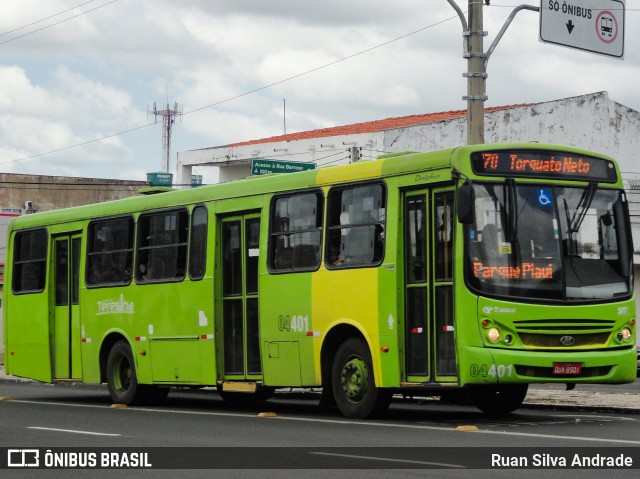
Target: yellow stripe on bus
x=346, y=297
x=354, y=172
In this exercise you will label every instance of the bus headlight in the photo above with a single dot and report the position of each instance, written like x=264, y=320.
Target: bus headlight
x=624, y=335
x=493, y=335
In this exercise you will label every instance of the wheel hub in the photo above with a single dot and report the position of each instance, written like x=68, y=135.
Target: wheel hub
x=354, y=379
x=123, y=375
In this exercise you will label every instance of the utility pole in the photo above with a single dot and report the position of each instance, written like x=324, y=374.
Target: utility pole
x=476, y=75
x=168, y=119
x=354, y=152
x=473, y=48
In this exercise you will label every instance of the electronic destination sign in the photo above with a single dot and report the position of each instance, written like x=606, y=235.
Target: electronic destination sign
x=543, y=164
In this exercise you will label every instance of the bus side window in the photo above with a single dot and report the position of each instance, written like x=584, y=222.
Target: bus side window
x=109, y=252
x=162, y=246
x=295, y=232
x=355, y=228
x=30, y=261
x=444, y=235
x=198, y=243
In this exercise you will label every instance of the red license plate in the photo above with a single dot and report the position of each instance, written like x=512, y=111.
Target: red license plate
x=567, y=369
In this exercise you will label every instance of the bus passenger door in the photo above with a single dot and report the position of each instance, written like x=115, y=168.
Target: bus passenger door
x=240, y=340
x=428, y=247
x=66, y=320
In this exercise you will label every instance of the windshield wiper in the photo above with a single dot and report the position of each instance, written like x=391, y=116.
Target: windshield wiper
x=574, y=222
x=583, y=206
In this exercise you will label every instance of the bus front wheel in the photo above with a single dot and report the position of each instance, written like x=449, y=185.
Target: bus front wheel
x=353, y=382
x=123, y=382
x=501, y=399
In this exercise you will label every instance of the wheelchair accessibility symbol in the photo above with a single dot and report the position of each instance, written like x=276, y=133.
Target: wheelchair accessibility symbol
x=544, y=197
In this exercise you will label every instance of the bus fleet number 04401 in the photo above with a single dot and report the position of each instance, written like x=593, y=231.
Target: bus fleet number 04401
x=293, y=323
x=495, y=370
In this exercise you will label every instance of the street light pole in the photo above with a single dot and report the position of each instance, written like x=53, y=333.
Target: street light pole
x=477, y=60
x=476, y=74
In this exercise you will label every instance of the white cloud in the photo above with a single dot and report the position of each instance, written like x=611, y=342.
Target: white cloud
x=97, y=74
x=19, y=95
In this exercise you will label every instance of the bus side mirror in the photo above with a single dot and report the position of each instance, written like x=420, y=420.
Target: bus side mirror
x=466, y=203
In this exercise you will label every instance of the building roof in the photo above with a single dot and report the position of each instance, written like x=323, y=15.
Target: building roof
x=371, y=126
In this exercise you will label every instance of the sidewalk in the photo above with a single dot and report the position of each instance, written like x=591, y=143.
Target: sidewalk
x=542, y=396
x=556, y=397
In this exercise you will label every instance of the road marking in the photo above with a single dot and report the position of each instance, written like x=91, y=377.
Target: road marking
x=388, y=459
x=73, y=431
x=342, y=422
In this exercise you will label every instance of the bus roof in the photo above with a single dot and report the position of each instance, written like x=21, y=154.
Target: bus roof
x=385, y=166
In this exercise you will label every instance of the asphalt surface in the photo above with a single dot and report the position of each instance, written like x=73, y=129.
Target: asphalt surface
x=545, y=396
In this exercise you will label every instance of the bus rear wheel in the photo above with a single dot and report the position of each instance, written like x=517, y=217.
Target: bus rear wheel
x=353, y=382
x=499, y=400
x=122, y=380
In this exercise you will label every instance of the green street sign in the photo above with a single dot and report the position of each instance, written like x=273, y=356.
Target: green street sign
x=261, y=166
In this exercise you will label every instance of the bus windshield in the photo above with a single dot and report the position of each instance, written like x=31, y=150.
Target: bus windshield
x=549, y=242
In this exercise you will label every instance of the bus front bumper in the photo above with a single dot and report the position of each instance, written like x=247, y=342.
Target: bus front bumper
x=494, y=366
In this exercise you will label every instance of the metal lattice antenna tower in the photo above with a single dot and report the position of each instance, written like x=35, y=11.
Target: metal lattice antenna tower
x=168, y=119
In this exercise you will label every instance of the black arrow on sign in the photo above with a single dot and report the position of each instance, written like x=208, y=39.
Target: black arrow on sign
x=570, y=26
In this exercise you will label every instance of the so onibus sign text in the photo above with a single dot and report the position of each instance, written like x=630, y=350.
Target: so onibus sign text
x=595, y=26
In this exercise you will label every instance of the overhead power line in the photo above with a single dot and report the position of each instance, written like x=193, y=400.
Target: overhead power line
x=321, y=67
x=250, y=92
x=45, y=18
x=53, y=24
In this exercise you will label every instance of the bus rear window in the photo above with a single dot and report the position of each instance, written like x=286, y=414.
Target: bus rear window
x=30, y=261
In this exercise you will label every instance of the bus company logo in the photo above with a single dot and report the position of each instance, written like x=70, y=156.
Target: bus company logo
x=567, y=340
x=498, y=309
x=23, y=458
x=117, y=306
x=427, y=177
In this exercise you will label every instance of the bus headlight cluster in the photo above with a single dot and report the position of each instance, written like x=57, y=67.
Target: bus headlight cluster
x=494, y=335
x=497, y=332
x=624, y=334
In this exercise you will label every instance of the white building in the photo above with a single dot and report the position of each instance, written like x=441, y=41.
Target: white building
x=593, y=122
x=590, y=121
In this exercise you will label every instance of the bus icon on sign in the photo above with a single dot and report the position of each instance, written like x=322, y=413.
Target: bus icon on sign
x=606, y=26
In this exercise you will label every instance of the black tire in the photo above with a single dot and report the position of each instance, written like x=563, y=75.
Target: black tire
x=499, y=400
x=353, y=382
x=122, y=380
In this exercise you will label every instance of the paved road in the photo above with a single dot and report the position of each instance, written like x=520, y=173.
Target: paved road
x=40, y=415
x=596, y=397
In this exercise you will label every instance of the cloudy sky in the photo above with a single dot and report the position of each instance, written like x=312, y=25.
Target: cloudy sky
x=78, y=77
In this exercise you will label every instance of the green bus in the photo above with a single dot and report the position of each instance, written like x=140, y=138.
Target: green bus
x=469, y=272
